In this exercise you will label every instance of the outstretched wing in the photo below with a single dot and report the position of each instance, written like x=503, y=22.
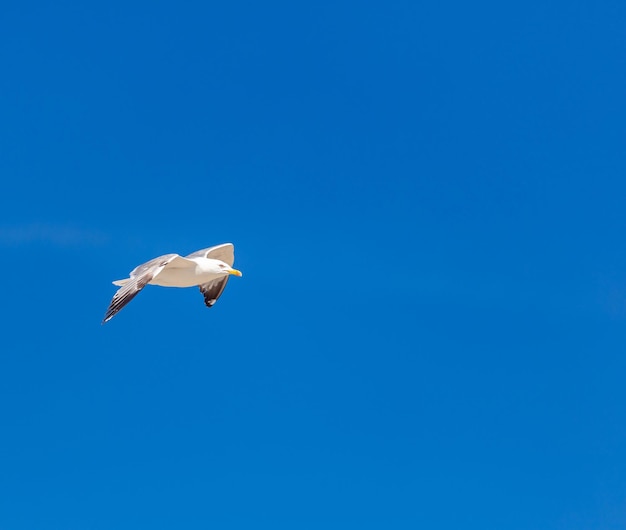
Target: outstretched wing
x=148, y=265
x=224, y=252
x=213, y=290
x=139, y=278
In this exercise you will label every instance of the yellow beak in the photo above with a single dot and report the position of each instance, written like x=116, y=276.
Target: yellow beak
x=235, y=272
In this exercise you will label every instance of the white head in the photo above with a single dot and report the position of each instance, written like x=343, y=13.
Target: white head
x=219, y=267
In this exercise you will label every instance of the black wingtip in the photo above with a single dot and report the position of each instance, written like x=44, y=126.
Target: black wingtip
x=109, y=315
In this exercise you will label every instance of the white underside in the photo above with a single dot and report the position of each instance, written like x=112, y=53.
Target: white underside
x=184, y=272
x=187, y=277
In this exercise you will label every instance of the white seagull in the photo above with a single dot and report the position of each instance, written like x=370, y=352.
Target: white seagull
x=209, y=269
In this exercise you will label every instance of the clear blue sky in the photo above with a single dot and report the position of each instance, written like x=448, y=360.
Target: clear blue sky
x=428, y=203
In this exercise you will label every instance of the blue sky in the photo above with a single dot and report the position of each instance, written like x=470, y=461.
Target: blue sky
x=427, y=203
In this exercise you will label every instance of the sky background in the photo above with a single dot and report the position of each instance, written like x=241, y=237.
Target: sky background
x=427, y=201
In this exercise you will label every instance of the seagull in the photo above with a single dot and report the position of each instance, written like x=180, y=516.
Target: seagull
x=209, y=269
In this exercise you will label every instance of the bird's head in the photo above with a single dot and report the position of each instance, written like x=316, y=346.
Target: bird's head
x=225, y=268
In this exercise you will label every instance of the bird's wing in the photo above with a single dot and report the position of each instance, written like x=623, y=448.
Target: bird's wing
x=167, y=259
x=213, y=290
x=139, y=278
x=224, y=252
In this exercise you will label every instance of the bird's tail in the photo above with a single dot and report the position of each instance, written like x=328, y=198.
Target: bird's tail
x=119, y=283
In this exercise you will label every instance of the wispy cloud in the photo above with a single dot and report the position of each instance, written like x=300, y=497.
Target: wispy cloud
x=57, y=235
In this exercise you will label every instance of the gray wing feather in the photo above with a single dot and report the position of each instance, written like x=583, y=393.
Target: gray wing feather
x=144, y=267
x=224, y=252
x=124, y=295
x=213, y=290
x=139, y=278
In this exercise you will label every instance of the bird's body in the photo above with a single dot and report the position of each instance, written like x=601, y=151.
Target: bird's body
x=188, y=272
x=209, y=269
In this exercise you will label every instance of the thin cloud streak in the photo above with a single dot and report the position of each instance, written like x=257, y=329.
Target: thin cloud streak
x=57, y=235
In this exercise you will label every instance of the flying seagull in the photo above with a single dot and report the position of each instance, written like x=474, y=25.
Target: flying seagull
x=209, y=269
